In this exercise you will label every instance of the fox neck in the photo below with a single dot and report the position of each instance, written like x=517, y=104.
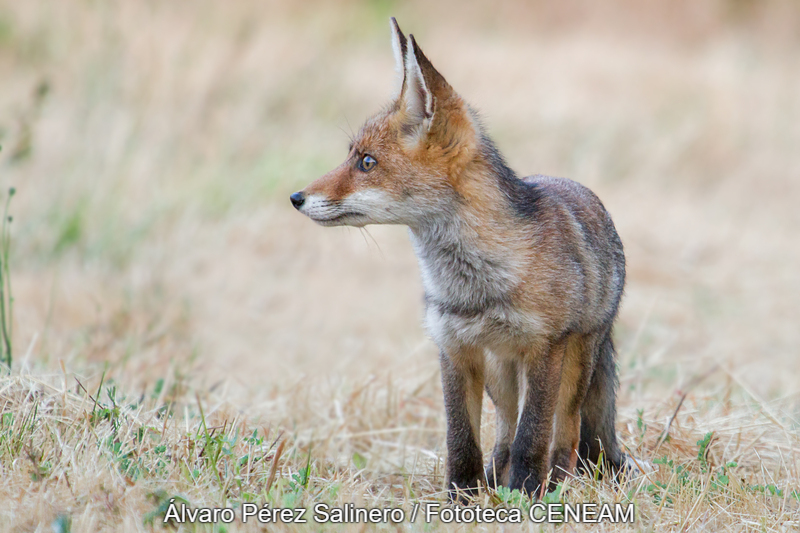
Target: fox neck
x=466, y=263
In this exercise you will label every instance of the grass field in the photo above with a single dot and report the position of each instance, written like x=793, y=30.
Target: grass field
x=180, y=332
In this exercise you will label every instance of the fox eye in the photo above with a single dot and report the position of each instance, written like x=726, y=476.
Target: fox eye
x=367, y=163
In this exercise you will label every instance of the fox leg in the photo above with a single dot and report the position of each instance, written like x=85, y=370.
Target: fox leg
x=575, y=375
x=502, y=387
x=530, y=457
x=462, y=383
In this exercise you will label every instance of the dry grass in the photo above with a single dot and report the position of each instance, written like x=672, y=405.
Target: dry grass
x=152, y=146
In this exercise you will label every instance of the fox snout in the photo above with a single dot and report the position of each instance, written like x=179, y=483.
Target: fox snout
x=353, y=210
x=347, y=196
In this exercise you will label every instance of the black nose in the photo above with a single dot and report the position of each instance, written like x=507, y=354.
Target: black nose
x=297, y=199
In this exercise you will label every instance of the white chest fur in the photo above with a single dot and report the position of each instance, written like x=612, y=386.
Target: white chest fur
x=468, y=291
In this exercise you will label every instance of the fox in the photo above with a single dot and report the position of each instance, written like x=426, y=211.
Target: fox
x=522, y=282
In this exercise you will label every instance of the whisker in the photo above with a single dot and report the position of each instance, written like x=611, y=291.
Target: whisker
x=349, y=135
x=364, y=230
x=352, y=132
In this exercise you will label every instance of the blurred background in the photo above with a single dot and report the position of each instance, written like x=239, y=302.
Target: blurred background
x=153, y=146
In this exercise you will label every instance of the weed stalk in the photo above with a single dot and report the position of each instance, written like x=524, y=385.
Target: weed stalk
x=6, y=300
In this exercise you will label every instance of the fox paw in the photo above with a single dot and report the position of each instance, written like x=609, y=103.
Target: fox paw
x=633, y=467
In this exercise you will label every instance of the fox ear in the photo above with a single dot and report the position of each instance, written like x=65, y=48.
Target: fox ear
x=417, y=95
x=399, y=46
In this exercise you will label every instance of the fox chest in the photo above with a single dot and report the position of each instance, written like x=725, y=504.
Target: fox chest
x=469, y=298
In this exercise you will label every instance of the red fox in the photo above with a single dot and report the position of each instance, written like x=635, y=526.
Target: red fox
x=522, y=279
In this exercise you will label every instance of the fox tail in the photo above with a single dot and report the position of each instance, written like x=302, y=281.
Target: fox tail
x=598, y=413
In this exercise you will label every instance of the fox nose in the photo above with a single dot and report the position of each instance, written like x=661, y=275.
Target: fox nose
x=297, y=199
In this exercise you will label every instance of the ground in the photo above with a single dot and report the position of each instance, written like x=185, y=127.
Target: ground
x=178, y=331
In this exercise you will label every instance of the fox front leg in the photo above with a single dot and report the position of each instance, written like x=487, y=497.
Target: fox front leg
x=503, y=389
x=462, y=384
x=530, y=453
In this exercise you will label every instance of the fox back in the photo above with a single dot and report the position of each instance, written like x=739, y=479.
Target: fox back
x=522, y=279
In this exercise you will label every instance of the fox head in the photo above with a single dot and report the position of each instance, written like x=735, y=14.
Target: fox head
x=407, y=159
